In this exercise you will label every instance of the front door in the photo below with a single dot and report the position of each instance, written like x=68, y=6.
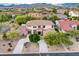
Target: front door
x=40, y=33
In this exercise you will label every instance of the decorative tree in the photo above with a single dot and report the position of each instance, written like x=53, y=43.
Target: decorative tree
x=34, y=38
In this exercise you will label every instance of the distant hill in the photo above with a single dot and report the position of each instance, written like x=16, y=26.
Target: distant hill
x=70, y=4
x=27, y=5
x=37, y=4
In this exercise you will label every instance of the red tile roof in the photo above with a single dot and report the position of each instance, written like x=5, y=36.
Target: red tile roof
x=66, y=24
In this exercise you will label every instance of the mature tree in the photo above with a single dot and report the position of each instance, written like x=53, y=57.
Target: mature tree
x=45, y=18
x=4, y=18
x=53, y=18
x=54, y=10
x=73, y=33
x=0, y=28
x=4, y=36
x=54, y=38
x=77, y=27
x=23, y=19
x=20, y=19
x=74, y=18
x=66, y=13
x=34, y=38
x=13, y=35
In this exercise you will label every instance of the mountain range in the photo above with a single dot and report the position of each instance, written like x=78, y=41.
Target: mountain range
x=37, y=4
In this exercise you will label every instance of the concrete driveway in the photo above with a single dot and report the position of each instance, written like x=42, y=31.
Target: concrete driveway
x=20, y=45
x=42, y=47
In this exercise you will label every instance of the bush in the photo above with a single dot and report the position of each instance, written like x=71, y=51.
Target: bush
x=57, y=38
x=4, y=18
x=77, y=27
x=34, y=38
x=73, y=33
x=54, y=10
x=13, y=35
x=74, y=18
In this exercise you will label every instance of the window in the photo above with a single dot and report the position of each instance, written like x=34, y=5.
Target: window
x=52, y=26
x=34, y=26
x=43, y=26
x=39, y=26
x=29, y=32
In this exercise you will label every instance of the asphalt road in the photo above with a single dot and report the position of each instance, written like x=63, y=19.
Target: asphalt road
x=44, y=54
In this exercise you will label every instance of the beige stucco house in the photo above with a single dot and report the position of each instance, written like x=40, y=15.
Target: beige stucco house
x=39, y=15
x=40, y=26
x=74, y=13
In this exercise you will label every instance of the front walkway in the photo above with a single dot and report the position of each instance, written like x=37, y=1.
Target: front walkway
x=42, y=47
x=19, y=46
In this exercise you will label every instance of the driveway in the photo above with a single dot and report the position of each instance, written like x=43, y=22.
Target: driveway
x=42, y=47
x=20, y=45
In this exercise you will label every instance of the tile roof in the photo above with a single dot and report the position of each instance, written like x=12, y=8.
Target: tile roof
x=66, y=24
x=39, y=22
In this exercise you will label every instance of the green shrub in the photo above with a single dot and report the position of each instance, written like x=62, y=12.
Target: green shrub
x=34, y=38
x=13, y=35
x=77, y=27
x=57, y=38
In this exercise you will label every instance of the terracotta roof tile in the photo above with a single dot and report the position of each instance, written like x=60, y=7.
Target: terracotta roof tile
x=66, y=24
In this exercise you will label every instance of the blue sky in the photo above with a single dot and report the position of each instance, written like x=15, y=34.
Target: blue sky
x=39, y=1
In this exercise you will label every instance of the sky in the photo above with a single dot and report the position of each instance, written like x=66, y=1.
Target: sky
x=39, y=1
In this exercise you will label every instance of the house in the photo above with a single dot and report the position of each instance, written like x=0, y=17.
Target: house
x=61, y=16
x=60, y=11
x=39, y=15
x=39, y=26
x=66, y=25
x=74, y=13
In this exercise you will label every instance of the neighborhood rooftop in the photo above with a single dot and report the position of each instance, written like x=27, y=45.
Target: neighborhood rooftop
x=38, y=22
x=67, y=24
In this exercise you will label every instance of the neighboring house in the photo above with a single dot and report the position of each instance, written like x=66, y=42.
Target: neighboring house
x=23, y=30
x=61, y=16
x=74, y=13
x=39, y=15
x=66, y=25
x=60, y=11
x=40, y=26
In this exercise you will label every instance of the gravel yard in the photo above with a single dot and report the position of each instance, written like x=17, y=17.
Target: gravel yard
x=7, y=46
x=30, y=47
